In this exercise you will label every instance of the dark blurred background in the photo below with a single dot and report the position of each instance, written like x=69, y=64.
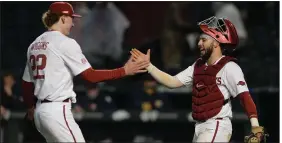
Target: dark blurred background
x=138, y=109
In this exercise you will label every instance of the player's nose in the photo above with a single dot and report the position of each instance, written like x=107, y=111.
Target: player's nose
x=199, y=45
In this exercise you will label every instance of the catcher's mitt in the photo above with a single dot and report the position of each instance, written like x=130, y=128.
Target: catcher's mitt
x=257, y=135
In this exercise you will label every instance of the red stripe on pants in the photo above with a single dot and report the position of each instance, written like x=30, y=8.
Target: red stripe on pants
x=64, y=110
x=217, y=123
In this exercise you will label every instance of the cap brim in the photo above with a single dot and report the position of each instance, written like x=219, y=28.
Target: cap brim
x=76, y=15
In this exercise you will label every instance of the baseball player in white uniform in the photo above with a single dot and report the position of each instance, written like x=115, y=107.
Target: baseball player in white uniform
x=215, y=79
x=53, y=59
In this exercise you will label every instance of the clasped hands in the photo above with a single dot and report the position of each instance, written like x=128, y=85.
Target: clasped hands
x=138, y=62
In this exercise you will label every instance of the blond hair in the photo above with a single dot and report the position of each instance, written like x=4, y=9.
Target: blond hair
x=50, y=19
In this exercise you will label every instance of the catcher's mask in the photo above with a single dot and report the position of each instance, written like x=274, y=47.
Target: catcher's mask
x=222, y=30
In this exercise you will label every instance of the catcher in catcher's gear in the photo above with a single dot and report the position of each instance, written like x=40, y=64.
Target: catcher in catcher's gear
x=215, y=78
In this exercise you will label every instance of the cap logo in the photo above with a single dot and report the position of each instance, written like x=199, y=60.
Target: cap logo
x=65, y=12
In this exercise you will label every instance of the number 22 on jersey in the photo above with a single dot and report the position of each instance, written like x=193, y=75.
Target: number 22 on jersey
x=38, y=63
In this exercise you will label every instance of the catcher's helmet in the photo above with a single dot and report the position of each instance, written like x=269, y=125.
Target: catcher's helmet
x=221, y=30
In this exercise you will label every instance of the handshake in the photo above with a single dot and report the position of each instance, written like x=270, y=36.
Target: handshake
x=137, y=63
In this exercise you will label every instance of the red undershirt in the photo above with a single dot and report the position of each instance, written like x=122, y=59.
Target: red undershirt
x=248, y=104
x=90, y=75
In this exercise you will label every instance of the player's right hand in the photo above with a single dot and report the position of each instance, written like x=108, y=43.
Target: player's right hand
x=139, y=56
x=3, y=110
x=133, y=67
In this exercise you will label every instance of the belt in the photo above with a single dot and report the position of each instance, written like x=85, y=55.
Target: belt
x=47, y=101
x=226, y=101
x=207, y=119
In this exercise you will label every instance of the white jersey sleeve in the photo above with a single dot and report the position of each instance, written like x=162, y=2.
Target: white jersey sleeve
x=234, y=79
x=73, y=57
x=186, y=76
x=27, y=75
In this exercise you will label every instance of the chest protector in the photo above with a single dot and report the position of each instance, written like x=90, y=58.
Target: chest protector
x=207, y=100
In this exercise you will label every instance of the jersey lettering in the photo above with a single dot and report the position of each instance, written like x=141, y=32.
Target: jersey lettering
x=218, y=80
x=38, y=63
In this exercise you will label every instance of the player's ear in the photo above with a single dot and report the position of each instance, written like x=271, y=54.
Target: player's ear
x=63, y=19
x=215, y=44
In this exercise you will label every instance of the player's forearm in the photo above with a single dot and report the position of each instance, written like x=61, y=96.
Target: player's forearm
x=250, y=107
x=92, y=75
x=28, y=95
x=162, y=77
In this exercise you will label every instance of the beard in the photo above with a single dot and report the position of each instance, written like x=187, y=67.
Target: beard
x=208, y=51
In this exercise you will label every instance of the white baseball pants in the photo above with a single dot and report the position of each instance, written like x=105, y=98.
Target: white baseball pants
x=54, y=120
x=213, y=130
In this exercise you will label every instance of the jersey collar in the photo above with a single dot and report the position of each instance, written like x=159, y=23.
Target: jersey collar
x=216, y=60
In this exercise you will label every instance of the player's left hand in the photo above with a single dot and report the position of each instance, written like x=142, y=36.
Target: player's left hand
x=257, y=135
x=30, y=113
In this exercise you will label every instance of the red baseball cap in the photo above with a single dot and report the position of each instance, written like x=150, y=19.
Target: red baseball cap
x=63, y=8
